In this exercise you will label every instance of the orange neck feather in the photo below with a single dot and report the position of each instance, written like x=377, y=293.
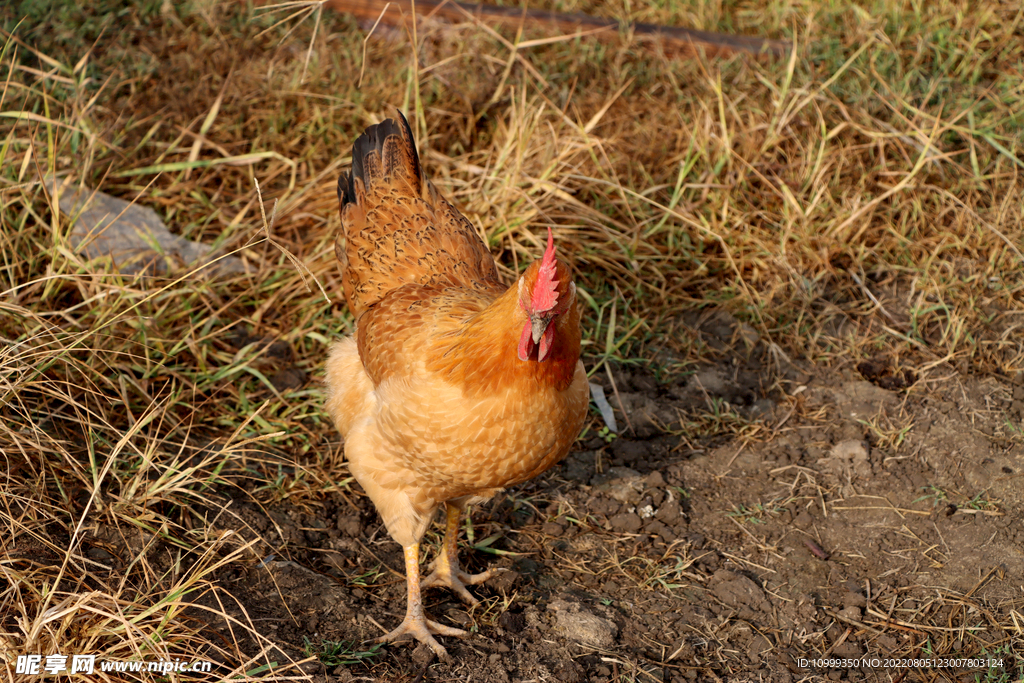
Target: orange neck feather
x=482, y=356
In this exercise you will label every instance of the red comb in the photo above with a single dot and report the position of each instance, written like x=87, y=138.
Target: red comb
x=545, y=292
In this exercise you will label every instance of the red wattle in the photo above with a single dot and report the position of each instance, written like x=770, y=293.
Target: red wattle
x=526, y=342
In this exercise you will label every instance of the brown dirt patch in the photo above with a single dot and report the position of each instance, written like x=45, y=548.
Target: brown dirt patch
x=846, y=520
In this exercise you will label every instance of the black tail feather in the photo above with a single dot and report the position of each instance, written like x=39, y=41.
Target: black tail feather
x=372, y=140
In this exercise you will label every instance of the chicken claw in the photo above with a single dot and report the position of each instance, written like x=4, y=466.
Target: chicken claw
x=416, y=623
x=422, y=629
x=446, y=570
x=457, y=581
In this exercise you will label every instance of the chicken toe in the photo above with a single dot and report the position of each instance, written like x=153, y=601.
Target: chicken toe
x=416, y=623
x=423, y=630
x=456, y=579
x=446, y=570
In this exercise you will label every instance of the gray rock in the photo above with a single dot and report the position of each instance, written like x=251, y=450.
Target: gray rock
x=132, y=235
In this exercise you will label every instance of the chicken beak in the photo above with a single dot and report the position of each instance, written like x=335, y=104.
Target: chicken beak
x=538, y=325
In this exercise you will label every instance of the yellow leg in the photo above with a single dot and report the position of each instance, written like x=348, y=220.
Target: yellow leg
x=446, y=567
x=416, y=623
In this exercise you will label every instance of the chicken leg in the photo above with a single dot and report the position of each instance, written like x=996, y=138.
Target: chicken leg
x=416, y=623
x=446, y=570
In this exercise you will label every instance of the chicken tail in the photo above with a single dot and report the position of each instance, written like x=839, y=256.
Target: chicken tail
x=396, y=229
x=385, y=152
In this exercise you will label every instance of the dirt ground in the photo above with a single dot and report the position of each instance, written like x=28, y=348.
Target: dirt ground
x=734, y=529
x=755, y=519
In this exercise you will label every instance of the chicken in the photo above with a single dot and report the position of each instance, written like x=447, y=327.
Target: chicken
x=453, y=386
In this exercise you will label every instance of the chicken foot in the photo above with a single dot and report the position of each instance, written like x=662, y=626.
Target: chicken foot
x=416, y=623
x=446, y=570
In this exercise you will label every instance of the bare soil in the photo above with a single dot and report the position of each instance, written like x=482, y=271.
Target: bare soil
x=753, y=517
x=733, y=529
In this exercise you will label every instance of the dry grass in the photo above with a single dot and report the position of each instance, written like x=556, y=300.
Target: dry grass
x=859, y=200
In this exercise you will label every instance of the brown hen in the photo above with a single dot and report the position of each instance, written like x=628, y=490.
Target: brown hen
x=454, y=386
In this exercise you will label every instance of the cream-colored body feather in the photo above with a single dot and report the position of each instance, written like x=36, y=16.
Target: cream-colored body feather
x=416, y=441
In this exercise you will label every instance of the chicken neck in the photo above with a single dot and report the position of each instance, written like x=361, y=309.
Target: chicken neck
x=481, y=356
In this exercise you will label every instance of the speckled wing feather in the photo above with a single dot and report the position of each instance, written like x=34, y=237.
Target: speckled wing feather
x=398, y=229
